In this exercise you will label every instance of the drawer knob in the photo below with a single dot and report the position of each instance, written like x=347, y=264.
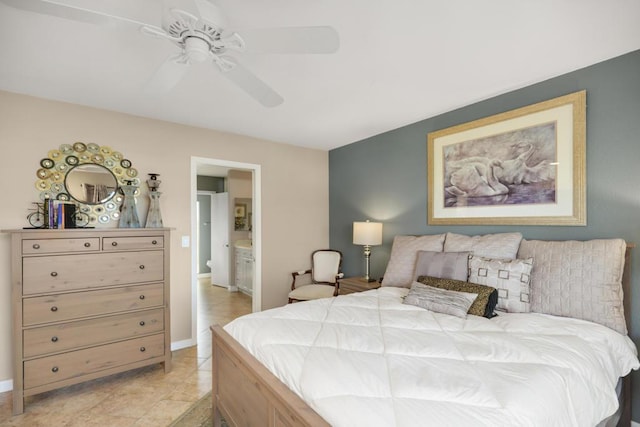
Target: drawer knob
x=142, y=267
x=87, y=245
x=142, y=323
x=54, y=369
x=36, y=246
x=54, y=274
x=54, y=308
x=54, y=339
x=154, y=242
x=142, y=349
x=141, y=296
x=114, y=243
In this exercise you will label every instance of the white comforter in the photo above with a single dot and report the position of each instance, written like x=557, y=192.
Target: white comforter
x=366, y=359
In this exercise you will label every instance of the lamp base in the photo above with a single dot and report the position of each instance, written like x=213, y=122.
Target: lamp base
x=368, y=280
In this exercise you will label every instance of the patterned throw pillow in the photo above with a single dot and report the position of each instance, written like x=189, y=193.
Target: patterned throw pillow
x=404, y=253
x=511, y=277
x=445, y=265
x=440, y=300
x=485, y=303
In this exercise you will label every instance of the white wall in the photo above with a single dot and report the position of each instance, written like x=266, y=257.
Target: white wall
x=295, y=212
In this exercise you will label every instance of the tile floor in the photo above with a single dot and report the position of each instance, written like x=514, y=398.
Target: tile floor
x=141, y=397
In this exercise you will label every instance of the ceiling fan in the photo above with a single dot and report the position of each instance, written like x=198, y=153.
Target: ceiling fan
x=198, y=29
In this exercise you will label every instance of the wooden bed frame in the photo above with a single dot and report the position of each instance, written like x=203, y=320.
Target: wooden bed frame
x=246, y=393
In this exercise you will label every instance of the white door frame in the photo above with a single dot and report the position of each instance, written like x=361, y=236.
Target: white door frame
x=256, y=232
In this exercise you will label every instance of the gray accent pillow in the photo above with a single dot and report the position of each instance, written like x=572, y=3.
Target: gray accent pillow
x=440, y=300
x=501, y=245
x=404, y=252
x=444, y=265
x=580, y=279
x=511, y=277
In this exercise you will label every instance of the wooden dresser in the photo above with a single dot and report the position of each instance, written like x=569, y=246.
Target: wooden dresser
x=87, y=303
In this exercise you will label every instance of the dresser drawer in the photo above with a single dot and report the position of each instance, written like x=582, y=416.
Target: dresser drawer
x=59, y=273
x=84, y=333
x=62, y=307
x=48, y=246
x=121, y=243
x=47, y=370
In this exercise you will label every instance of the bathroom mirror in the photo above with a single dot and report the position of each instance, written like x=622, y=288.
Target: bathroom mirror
x=88, y=174
x=242, y=213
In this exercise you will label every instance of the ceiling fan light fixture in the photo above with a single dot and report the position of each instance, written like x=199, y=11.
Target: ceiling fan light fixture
x=201, y=35
x=197, y=49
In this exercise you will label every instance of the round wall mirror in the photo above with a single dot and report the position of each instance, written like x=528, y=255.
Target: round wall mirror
x=91, y=184
x=89, y=175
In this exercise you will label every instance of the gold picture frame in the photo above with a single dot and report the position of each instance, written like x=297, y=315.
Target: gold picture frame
x=522, y=167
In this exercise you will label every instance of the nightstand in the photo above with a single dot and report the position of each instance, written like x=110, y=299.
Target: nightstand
x=349, y=285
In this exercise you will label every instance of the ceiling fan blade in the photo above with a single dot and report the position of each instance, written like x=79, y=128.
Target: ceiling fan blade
x=248, y=82
x=168, y=74
x=291, y=40
x=54, y=8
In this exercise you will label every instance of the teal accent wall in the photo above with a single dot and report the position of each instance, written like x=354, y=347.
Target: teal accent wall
x=384, y=178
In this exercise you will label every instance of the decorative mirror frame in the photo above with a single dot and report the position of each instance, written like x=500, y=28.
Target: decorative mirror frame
x=54, y=168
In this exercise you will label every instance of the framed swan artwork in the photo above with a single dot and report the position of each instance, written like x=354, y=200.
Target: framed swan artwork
x=525, y=166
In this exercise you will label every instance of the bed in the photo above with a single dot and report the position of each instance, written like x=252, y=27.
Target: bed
x=369, y=359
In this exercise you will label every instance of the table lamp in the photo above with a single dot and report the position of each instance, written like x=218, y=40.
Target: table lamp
x=367, y=234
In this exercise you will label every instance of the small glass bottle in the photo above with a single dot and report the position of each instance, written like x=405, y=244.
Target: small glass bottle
x=154, y=218
x=129, y=212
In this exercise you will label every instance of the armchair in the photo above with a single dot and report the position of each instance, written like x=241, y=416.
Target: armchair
x=325, y=274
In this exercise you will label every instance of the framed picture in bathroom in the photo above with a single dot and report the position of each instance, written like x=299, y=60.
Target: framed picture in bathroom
x=240, y=211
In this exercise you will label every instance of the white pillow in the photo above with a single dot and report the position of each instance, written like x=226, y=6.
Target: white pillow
x=511, y=277
x=502, y=245
x=404, y=253
x=440, y=300
x=581, y=279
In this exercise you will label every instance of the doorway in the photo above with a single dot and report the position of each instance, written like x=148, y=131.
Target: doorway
x=215, y=167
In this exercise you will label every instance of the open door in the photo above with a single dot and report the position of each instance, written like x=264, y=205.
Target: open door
x=220, y=239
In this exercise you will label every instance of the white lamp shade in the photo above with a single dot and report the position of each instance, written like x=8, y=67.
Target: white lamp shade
x=367, y=233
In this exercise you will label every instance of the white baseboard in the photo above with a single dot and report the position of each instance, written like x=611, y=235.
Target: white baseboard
x=6, y=385
x=635, y=424
x=203, y=275
x=179, y=345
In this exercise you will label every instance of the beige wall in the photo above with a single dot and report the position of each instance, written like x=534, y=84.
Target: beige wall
x=239, y=185
x=295, y=212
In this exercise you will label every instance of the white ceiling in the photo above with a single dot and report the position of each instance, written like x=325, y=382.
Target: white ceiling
x=399, y=61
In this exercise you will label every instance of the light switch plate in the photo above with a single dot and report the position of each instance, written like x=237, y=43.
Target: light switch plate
x=185, y=241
